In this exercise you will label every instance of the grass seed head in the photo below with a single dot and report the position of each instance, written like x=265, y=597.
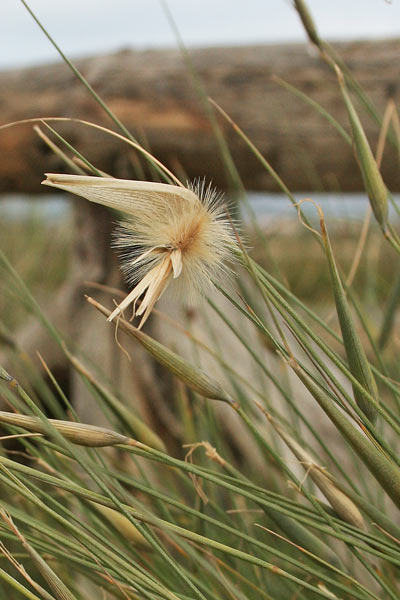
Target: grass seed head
x=172, y=236
x=77, y=433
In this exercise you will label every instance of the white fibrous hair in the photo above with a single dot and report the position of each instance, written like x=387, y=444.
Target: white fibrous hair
x=200, y=230
x=173, y=236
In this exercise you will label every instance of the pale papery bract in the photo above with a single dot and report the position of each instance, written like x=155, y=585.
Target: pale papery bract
x=174, y=237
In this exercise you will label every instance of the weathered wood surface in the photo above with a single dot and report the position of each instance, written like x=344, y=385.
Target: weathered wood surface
x=153, y=94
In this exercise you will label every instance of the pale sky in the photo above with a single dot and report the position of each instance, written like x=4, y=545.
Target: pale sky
x=86, y=27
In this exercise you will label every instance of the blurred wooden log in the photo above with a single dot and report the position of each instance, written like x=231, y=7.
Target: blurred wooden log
x=153, y=94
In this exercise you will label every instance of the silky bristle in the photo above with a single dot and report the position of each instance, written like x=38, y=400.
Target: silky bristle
x=201, y=230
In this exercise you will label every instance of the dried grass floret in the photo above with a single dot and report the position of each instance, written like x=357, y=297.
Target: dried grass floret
x=171, y=234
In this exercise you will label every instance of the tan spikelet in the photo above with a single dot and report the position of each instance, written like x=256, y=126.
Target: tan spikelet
x=77, y=433
x=172, y=235
x=342, y=504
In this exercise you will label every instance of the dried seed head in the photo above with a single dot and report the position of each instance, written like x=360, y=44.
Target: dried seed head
x=341, y=503
x=77, y=433
x=172, y=235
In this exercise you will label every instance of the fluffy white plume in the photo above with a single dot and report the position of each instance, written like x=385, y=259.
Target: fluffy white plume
x=171, y=234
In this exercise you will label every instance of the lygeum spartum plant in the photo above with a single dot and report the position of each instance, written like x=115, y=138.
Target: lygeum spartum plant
x=293, y=380
x=171, y=233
